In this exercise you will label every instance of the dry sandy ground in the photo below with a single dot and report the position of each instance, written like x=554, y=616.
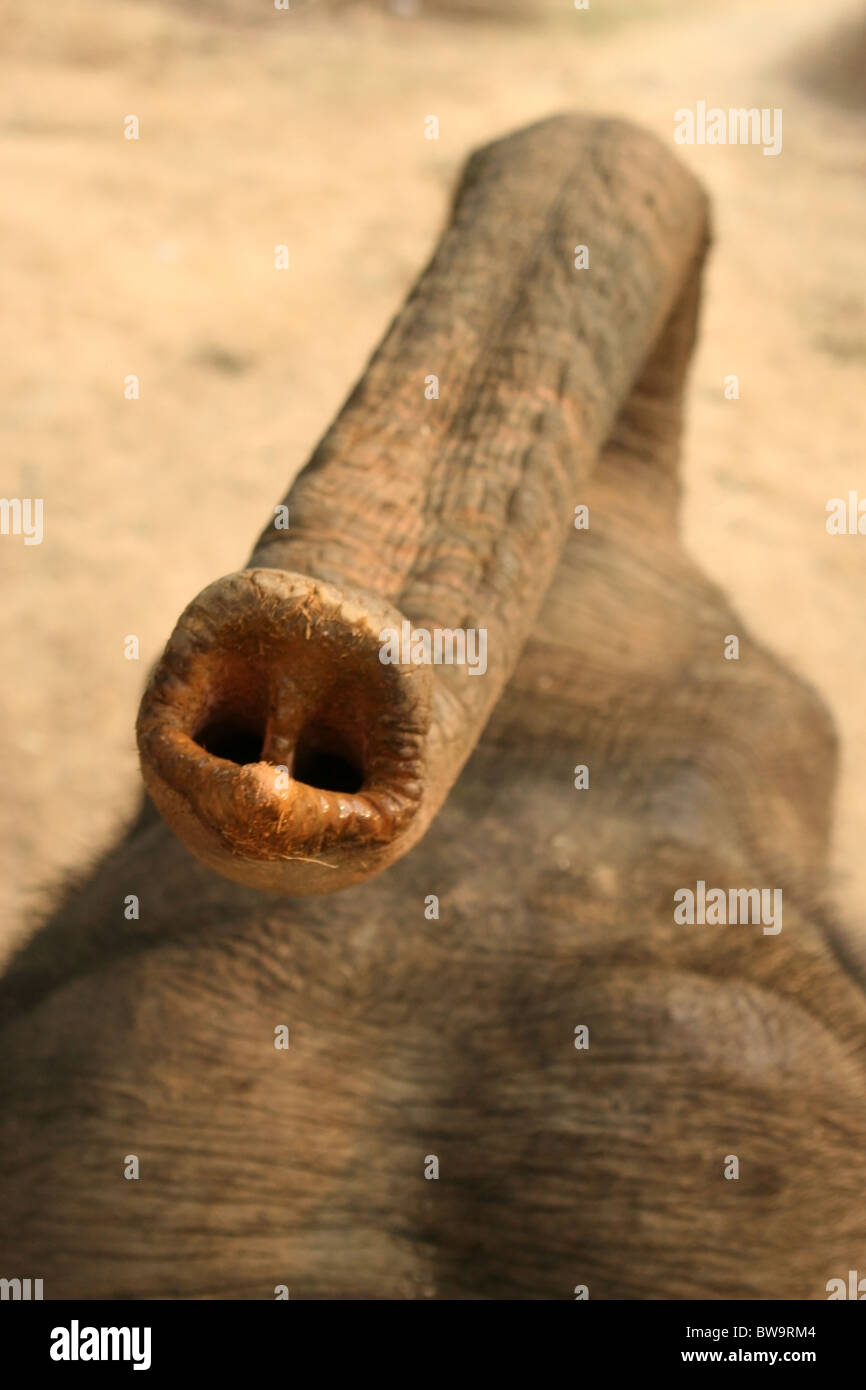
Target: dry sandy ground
x=155, y=257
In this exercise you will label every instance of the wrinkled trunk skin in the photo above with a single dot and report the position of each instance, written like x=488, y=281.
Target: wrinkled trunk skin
x=412, y=1037
x=449, y=514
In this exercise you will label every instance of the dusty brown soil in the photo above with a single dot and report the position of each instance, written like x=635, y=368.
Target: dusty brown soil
x=155, y=257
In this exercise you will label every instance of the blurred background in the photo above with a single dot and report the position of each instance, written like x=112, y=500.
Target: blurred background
x=305, y=127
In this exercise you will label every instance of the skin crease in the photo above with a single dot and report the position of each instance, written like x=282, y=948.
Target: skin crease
x=454, y=1037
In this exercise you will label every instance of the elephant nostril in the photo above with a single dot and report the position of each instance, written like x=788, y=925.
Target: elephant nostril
x=323, y=760
x=268, y=715
x=236, y=740
x=246, y=717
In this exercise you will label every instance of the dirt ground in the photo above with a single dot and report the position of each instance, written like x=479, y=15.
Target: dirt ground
x=154, y=257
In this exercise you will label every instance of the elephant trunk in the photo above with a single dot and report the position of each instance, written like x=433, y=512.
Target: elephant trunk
x=310, y=713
